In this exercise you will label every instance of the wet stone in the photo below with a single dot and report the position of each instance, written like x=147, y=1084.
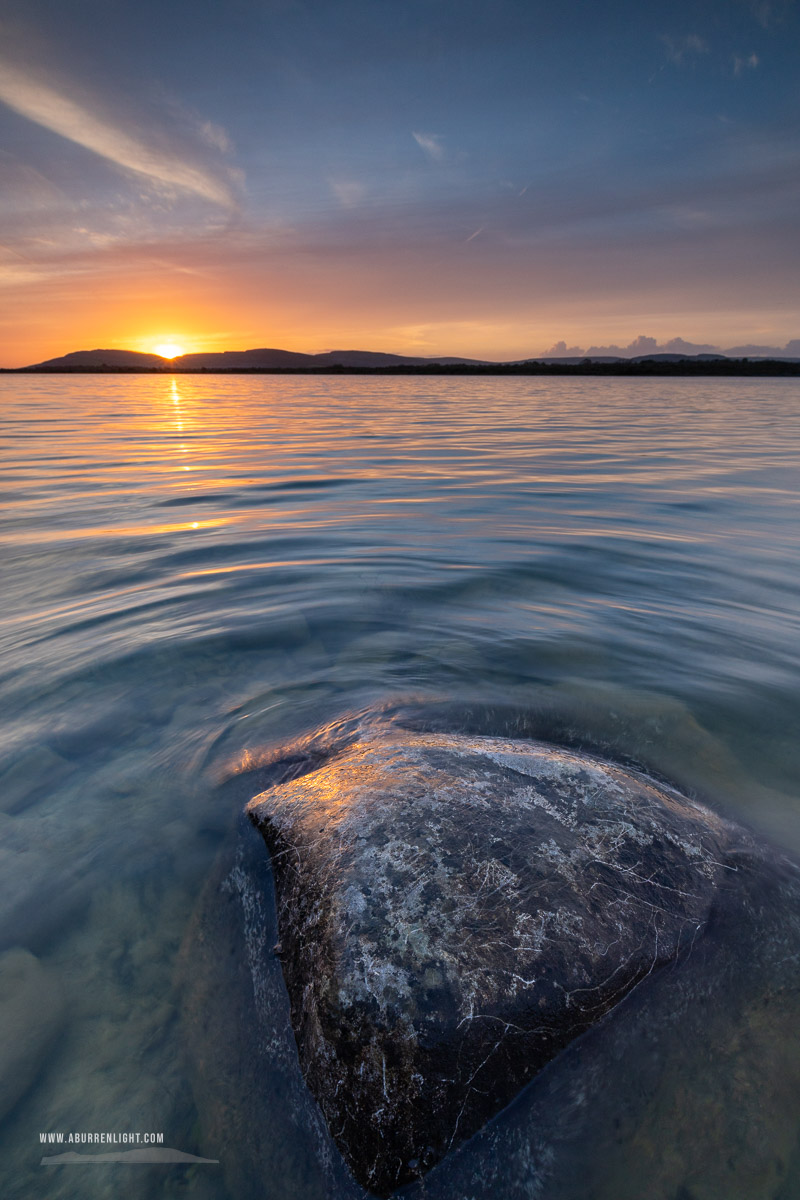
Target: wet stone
x=454, y=911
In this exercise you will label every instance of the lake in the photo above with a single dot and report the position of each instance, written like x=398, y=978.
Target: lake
x=197, y=567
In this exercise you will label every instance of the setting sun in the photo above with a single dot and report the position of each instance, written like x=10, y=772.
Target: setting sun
x=168, y=350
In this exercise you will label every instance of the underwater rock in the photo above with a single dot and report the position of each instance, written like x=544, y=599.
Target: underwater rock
x=454, y=911
x=31, y=1014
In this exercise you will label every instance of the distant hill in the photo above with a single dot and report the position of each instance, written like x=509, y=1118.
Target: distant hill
x=102, y=358
x=228, y=360
x=674, y=358
x=574, y=362
x=373, y=358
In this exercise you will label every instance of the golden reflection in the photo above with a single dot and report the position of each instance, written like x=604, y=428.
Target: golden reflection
x=176, y=401
x=270, y=565
x=176, y=397
x=44, y=536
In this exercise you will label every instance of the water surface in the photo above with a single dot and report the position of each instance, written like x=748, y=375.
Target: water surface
x=195, y=567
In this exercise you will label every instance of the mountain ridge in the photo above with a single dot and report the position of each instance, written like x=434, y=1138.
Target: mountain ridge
x=275, y=359
x=265, y=357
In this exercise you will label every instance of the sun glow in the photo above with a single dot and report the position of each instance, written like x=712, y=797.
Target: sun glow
x=168, y=350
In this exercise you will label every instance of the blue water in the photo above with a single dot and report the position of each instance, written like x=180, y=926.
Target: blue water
x=196, y=567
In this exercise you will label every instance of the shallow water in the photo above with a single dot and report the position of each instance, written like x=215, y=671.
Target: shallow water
x=194, y=567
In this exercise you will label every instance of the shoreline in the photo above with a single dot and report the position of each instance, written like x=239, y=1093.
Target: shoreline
x=686, y=367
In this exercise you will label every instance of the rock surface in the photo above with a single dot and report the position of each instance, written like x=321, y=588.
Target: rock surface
x=454, y=911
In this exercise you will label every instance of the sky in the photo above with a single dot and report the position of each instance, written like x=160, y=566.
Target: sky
x=488, y=178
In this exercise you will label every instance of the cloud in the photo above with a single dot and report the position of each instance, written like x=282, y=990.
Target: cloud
x=769, y=13
x=678, y=49
x=679, y=346
x=431, y=143
x=745, y=64
x=53, y=109
x=650, y=345
x=640, y=345
x=215, y=136
x=562, y=350
x=25, y=189
x=349, y=192
x=643, y=345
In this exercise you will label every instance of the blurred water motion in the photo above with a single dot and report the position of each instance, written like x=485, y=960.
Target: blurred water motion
x=196, y=567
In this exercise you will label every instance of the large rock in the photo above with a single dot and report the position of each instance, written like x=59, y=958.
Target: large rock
x=454, y=911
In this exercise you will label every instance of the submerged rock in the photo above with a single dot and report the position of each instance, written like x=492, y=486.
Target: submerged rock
x=453, y=911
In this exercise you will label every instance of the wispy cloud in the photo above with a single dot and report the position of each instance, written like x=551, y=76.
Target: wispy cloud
x=745, y=64
x=349, y=192
x=215, y=136
x=25, y=189
x=678, y=50
x=431, y=143
x=769, y=13
x=55, y=110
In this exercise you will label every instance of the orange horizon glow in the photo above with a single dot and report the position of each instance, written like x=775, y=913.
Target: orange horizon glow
x=129, y=310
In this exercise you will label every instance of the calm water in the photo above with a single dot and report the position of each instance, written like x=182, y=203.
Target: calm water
x=195, y=567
